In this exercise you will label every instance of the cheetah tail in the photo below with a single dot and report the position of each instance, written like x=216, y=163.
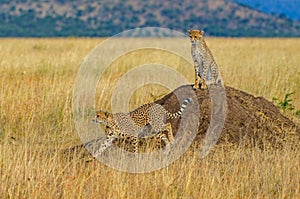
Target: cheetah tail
x=181, y=110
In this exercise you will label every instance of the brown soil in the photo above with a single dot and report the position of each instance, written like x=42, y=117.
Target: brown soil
x=249, y=120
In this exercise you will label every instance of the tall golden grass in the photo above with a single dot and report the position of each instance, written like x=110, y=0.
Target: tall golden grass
x=36, y=85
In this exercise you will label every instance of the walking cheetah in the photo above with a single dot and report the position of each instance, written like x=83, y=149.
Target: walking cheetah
x=154, y=116
x=206, y=68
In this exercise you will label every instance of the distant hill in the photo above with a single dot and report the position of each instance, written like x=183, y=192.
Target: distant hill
x=41, y=18
x=287, y=8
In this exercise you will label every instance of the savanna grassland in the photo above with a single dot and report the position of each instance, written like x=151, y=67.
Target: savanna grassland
x=36, y=88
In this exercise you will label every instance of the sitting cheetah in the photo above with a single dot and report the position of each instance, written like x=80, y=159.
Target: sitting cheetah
x=206, y=69
x=150, y=115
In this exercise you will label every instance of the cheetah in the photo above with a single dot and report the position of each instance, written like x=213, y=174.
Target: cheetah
x=151, y=115
x=206, y=68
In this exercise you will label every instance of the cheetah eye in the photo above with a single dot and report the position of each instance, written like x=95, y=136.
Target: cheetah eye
x=98, y=116
x=195, y=36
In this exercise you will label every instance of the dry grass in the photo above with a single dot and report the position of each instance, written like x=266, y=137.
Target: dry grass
x=36, y=82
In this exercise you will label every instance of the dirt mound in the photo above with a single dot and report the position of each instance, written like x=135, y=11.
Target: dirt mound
x=249, y=119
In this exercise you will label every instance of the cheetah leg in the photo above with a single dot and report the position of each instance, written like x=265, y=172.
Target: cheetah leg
x=159, y=138
x=107, y=143
x=135, y=145
x=167, y=139
x=164, y=138
x=203, y=78
x=203, y=84
x=197, y=80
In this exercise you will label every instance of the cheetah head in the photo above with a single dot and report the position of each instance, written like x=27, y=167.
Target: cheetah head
x=102, y=117
x=196, y=35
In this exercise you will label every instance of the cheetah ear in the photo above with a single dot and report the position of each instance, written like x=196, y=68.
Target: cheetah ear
x=106, y=113
x=190, y=31
x=202, y=32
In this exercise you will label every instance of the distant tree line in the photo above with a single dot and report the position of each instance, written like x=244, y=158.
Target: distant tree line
x=27, y=24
